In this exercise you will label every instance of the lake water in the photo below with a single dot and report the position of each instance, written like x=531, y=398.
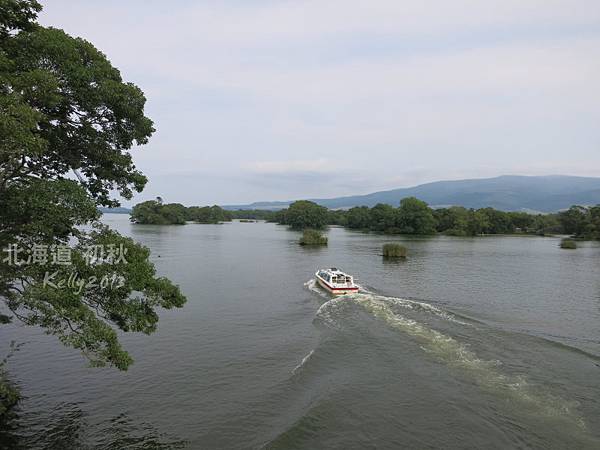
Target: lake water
x=469, y=343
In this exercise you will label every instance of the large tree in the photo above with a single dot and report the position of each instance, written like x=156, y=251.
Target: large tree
x=383, y=217
x=359, y=217
x=415, y=217
x=305, y=214
x=575, y=220
x=67, y=124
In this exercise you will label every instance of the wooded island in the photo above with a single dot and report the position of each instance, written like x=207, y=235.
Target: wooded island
x=413, y=216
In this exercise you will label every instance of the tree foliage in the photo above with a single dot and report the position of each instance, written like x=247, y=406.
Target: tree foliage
x=581, y=221
x=359, y=217
x=64, y=109
x=304, y=214
x=253, y=214
x=154, y=212
x=415, y=217
x=312, y=237
x=208, y=214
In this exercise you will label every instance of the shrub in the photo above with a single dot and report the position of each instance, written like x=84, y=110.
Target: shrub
x=313, y=237
x=394, y=251
x=569, y=244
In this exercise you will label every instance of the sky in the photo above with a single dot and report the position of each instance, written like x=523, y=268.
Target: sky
x=279, y=100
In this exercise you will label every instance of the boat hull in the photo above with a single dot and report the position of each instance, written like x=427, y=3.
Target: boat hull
x=336, y=290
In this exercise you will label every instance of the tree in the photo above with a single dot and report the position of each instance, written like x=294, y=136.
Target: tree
x=174, y=213
x=382, y=217
x=546, y=223
x=452, y=221
x=306, y=214
x=499, y=222
x=147, y=213
x=574, y=220
x=208, y=214
x=337, y=217
x=594, y=225
x=253, y=214
x=65, y=109
x=359, y=217
x=415, y=217
x=521, y=220
x=477, y=222
x=154, y=212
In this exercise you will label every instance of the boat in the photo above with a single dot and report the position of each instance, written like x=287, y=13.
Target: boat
x=336, y=282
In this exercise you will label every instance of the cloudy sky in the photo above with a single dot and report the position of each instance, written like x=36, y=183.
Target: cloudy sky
x=276, y=100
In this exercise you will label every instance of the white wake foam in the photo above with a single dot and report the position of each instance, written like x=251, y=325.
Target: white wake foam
x=313, y=286
x=304, y=360
x=453, y=353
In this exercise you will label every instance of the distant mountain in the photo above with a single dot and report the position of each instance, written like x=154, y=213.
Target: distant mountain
x=508, y=193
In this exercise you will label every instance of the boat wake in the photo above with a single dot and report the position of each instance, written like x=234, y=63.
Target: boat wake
x=303, y=362
x=446, y=349
x=312, y=286
x=400, y=302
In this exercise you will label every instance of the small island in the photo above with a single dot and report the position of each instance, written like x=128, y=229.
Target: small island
x=568, y=244
x=394, y=250
x=155, y=212
x=313, y=237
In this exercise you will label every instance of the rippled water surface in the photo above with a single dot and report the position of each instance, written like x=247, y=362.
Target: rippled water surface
x=470, y=343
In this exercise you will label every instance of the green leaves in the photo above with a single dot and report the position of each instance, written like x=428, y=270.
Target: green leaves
x=154, y=212
x=581, y=221
x=80, y=112
x=64, y=108
x=305, y=214
x=45, y=210
x=17, y=15
x=415, y=216
x=80, y=302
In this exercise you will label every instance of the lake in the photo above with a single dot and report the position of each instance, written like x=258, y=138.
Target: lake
x=468, y=343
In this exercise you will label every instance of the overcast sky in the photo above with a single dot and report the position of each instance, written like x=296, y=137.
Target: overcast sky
x=278, y=100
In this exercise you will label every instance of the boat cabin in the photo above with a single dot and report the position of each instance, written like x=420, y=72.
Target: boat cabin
x=336, y=281
x=335, y=277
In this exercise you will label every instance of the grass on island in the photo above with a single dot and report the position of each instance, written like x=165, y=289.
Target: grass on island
x=313, y=237
x=394, y=251
x=569, y=244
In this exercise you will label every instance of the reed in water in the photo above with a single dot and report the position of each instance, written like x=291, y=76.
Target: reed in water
x=313, y=237
x=394, y=250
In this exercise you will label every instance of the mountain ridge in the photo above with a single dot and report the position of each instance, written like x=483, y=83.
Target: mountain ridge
x=546, y=193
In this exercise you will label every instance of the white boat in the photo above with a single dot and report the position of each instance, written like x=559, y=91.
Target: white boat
x=335, y=281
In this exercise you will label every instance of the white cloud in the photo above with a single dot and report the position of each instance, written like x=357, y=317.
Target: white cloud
x=404, y=90
x=320, y=165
